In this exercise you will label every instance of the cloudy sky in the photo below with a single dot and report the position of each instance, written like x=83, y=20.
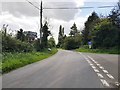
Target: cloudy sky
x=20, y=14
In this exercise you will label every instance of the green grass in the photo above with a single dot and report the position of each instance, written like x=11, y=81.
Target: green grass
x=12, y=61
x=102, y=51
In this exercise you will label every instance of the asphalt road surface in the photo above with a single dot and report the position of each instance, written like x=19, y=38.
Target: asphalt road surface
x=66, y=69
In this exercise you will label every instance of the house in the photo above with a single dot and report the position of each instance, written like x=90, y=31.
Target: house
x=30, y=35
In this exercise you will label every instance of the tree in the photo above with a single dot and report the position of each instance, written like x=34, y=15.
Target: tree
x=20, y=35
x=4, y=29
x=46, y=33
x=61, y=36
x=89, y=24
x=106, y=35
x=71, y=43
x=115, y=15
x=51, y=42
x=74, y=30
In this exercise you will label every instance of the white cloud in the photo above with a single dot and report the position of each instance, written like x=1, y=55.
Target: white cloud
x=15, y=23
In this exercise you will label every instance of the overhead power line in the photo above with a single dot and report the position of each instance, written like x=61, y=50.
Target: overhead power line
x=33, y=5
x=79, y=7
x=105, y=6
x=68, y=7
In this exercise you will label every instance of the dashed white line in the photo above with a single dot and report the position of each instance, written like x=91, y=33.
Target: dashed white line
x=95, y=62
x=101, y=67
x=96, y=70
x=105, y=83
x=110, y=76
x=91, y=58
x=105, y=71
x=100, y=75
x=93, y=67
x=91, y=64
x=117, y=83
x=88, y=60
x=98, y=64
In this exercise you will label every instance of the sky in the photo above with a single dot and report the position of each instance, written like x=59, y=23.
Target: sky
x=20, y=14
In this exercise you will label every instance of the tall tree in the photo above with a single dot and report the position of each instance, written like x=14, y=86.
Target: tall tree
x=74, y=30
x=46, y=33
x=115, y=15
x=20, y=35
x=60, y=36
x=89, y=24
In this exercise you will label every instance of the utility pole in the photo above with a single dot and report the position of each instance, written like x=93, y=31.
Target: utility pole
x=41, y=8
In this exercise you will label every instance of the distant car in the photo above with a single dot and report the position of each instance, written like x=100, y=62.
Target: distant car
x=49, y=49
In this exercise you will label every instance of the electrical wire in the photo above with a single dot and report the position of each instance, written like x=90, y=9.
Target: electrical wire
x=33, y=5
x=69, y=7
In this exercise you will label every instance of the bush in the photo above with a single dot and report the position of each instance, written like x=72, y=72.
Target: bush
x=10, y=44
x=70, y=43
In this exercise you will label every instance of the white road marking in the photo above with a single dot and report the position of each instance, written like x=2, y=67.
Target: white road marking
x=91, y=58
x=88, y=61
x=86, y=58
x=91, y=64
x=93, y=67
x=80, y=52
x=101, y=67
x=117, y=83
x=105, y=83
x=105, y=71
x=110, y=76
x=100, y=75
x=95, y=62
x=96, y=70
x=98, y=64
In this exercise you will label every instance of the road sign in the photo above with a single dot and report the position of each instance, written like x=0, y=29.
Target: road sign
x=89, y=43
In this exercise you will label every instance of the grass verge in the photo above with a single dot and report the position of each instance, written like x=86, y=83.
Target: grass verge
x=102, y=51
x=13, y=61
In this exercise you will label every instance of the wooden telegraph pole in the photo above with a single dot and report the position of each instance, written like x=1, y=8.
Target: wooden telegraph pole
x=41, y=8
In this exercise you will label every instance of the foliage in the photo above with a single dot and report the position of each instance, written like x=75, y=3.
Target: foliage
x=10, y=44
x=115, y=15
x=71, y=43
x=89, y=24
x=74, y=30
x=61, y=36
x=113, y=50
x=51, y=42
x=20, y=35
x=106, y=35
x=46, y=33
x=103, y=32
x=74, y=40
x=15, y=60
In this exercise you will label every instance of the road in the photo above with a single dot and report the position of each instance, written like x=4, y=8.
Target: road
x=66, y=69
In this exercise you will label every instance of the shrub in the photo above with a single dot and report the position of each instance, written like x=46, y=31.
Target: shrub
x=70, y=43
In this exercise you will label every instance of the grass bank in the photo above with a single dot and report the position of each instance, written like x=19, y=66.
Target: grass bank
x=12, y=61
x=102, y=51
